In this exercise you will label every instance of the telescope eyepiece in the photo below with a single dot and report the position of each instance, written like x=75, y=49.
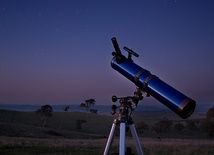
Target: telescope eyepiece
x=116, y=46
x=119, y=57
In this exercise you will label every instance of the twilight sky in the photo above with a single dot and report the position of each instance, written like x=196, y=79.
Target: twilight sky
x=59, y=51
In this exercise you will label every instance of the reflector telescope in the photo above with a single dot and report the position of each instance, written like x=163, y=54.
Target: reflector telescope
x=151, y=84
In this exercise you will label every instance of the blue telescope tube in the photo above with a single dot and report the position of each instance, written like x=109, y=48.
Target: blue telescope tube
x=152, y=85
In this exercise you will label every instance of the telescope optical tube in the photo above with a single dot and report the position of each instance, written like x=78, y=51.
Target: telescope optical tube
x=152, y=85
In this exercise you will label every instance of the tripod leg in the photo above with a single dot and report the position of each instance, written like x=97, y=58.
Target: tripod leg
x=110, y=138
x=136, y=139
x=122, y=138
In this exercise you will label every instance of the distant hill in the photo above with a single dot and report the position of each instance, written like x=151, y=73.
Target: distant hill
x=102, y=109
x=68, y=125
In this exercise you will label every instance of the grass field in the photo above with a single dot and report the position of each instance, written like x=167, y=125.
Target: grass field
x=21, y=133
x=11, y=145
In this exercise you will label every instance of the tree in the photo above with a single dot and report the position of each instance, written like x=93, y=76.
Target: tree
x=162, y=126
x=66, y=108
x=44, y=112
x=93, y=111
x=141, y=126
x=192, y=124
x=208, y=122
x=88, y=104
x=79, y=123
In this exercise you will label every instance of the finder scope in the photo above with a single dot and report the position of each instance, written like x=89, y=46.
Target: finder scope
x=151, y=84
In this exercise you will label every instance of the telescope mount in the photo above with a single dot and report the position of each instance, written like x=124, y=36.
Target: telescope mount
x=125, y=121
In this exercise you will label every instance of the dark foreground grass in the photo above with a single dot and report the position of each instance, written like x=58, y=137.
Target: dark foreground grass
x=14, y=150
x=21, y=133
x=14, y=146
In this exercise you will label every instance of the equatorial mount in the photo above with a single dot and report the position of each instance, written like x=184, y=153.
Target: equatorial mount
x=124, y=120
x=129, y=102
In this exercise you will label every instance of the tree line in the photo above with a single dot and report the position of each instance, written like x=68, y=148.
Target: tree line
x=162, y=126
x=46, y=111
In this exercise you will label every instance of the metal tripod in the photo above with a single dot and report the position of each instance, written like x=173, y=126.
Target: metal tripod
x=124, y=120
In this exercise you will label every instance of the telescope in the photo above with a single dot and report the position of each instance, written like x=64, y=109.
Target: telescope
x=150, y=84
